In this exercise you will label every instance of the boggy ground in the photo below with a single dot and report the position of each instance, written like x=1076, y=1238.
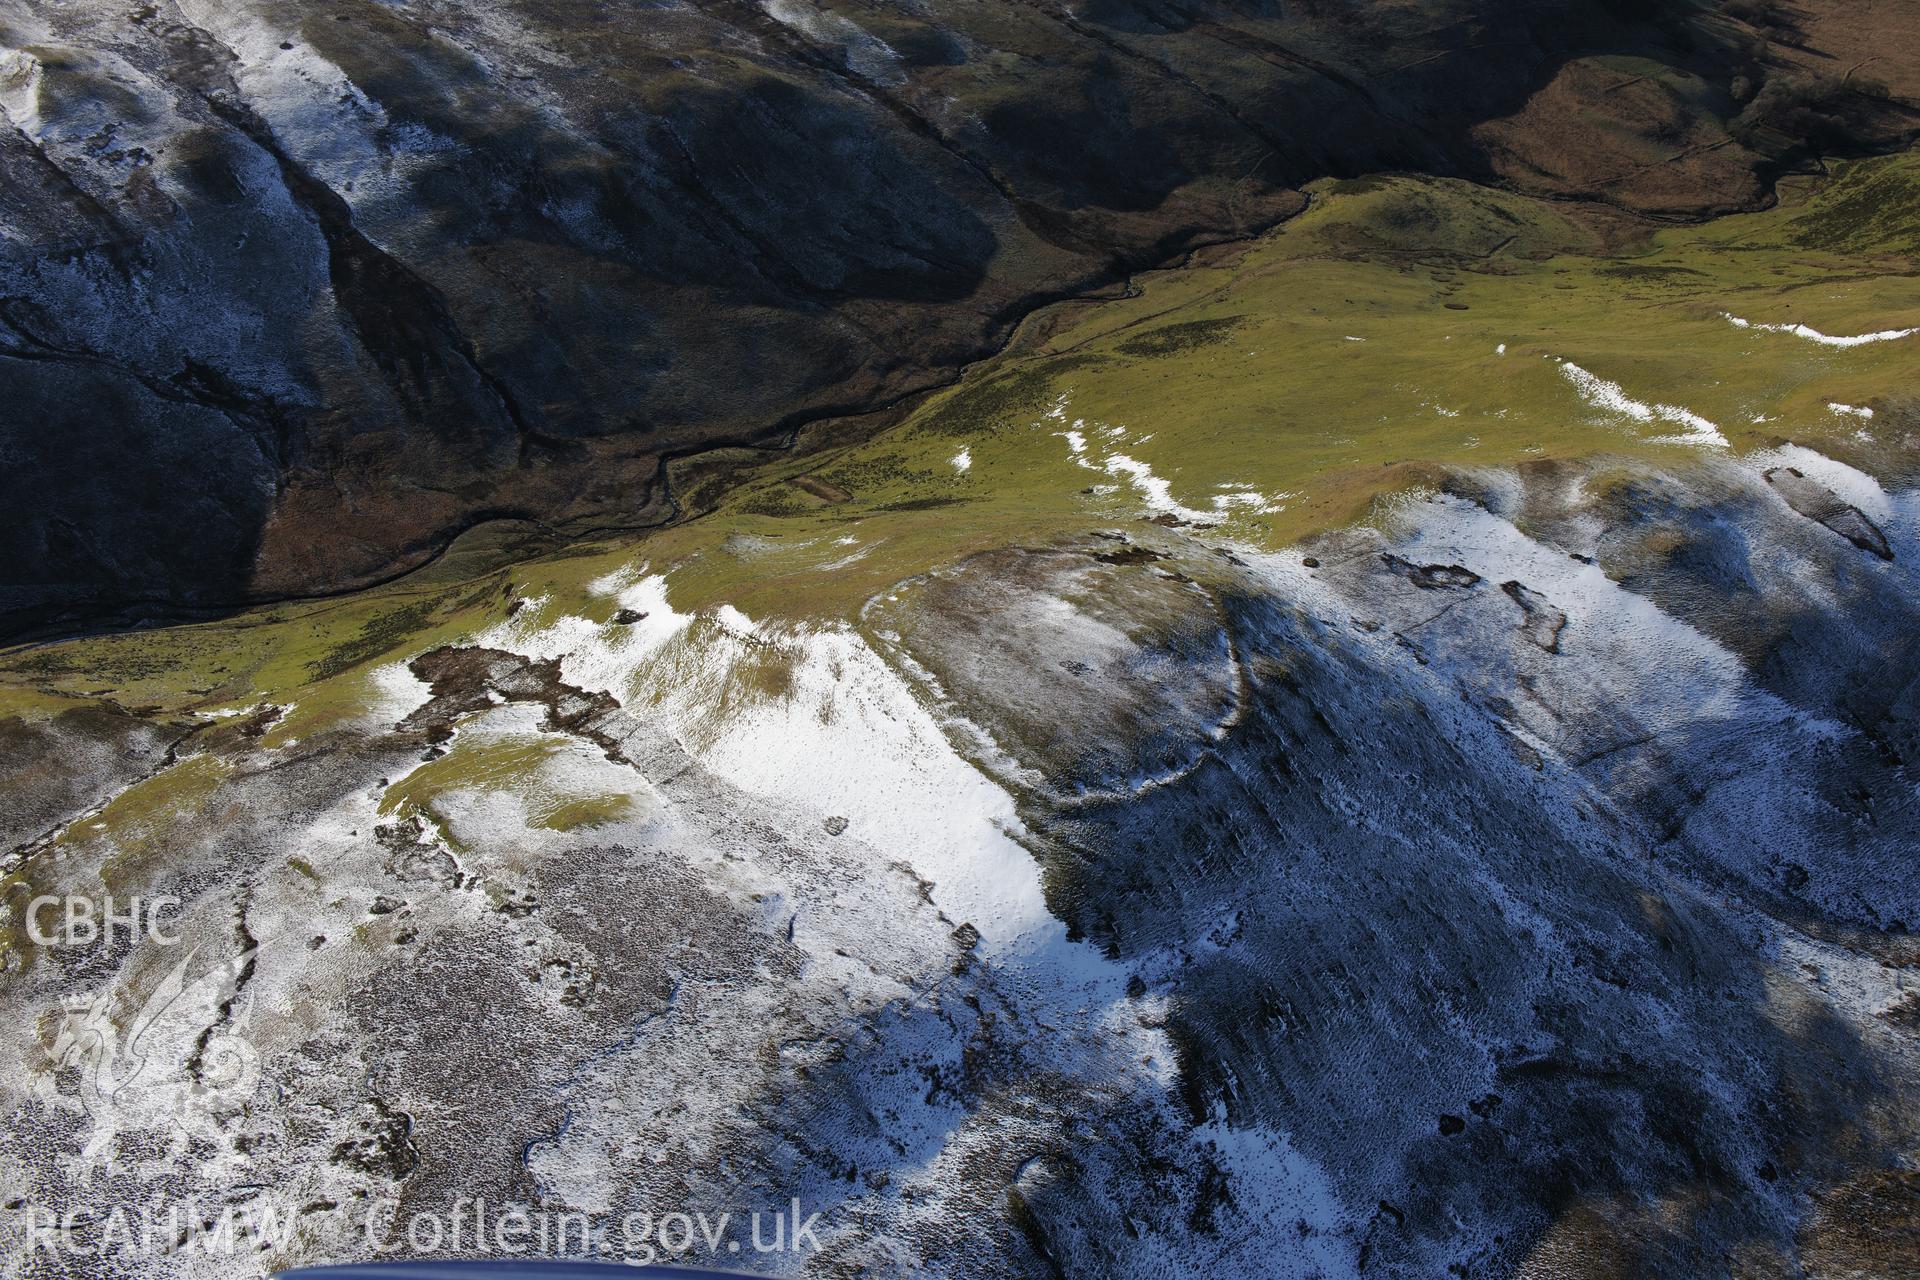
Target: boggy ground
x=1256, y=780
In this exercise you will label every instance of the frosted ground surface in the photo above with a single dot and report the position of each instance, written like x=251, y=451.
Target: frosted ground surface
x=1132, y=904
x=1518, y=882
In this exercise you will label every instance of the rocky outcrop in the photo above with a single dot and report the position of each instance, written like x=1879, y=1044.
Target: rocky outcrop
x=1817, y=502
x=290, y=297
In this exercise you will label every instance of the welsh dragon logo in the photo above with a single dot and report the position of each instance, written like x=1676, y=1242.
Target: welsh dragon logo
x=181, y=1063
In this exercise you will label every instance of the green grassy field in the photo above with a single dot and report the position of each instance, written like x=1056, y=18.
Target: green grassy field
x=1399, y=327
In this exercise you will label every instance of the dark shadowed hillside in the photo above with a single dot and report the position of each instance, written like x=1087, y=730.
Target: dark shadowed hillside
x=290, y=294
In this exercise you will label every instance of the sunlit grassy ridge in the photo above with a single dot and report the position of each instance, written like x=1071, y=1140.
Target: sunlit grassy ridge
x=1400, y=326
x=1348, y=354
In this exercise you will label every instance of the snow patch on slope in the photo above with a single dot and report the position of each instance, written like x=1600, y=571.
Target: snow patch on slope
x=1824, y=339
x=1157, y=492
x=1613, y=398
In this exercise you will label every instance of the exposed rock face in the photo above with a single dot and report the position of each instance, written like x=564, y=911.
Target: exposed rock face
x=1541, y=622
x=289, y=296
x=1817, y=502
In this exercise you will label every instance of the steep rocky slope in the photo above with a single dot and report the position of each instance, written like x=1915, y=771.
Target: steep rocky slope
x=1386, y=752
x=291, y=295
x=1462, y=901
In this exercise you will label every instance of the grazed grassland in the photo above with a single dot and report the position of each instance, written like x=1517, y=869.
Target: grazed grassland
x=1399, y=327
